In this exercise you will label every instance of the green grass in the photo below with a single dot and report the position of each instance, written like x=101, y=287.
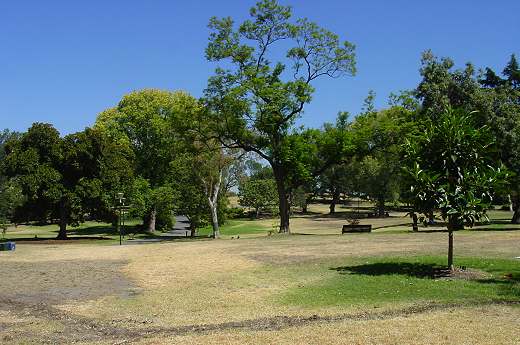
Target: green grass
x=237, y=227
x=103, y=232
x=379, y=281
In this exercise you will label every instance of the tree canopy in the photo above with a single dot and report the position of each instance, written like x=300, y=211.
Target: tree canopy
x=254, y=101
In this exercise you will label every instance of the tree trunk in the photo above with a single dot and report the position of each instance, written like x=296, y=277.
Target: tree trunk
x=212, y=193
x=284, y=205
x=450, y=250
x=381, y=208
x=193, y=229
x=516, y=208
x=335, y=199
x=305, y=207
x=415, y=227
x=62, y=234
x=150, y=224
x=214, y=220
x=257, y=212
x=453, y=224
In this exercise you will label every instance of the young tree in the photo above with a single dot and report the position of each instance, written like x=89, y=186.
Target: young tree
x=254, y=103
x=450, y=165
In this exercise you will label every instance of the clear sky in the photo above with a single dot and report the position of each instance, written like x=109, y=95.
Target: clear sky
x=65, y=61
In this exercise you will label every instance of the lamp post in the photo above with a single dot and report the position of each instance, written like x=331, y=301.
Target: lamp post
x=120, y=221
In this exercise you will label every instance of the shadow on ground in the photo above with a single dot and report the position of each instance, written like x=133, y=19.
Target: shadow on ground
x=417, y=270
x=508, y=281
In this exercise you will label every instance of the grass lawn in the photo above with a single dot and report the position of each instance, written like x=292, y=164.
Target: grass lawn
x=239, y=227
x=417, y=279
x=87, y=232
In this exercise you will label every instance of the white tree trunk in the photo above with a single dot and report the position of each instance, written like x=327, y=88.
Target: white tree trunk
x=212, y=193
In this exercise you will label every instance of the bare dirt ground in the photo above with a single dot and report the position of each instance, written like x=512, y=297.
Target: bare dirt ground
x=224, y=292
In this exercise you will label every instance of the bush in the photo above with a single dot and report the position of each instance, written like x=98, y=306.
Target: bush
x=236, y=212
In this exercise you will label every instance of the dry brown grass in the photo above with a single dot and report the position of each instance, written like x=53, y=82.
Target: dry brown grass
x=475, y=326
x=208, y=282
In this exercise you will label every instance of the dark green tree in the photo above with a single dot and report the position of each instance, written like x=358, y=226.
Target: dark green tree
x=450, y=166
x=512, y=72
x=254, y=102
x=66, y=178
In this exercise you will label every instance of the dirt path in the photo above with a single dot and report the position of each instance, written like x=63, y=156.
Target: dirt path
x=76, y=329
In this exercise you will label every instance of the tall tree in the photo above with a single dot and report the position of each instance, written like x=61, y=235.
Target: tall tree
x=512, y=72
x=379, y=138
x=151, y=122
x=254, y=101
x=501, y=106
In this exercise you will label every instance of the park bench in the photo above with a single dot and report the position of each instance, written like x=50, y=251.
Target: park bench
x=356, y=228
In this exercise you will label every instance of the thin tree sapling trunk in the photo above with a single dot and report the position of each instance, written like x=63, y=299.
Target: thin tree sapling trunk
x=453, y=224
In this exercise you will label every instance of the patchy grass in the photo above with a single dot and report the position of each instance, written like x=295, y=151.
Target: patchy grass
x=263, y=289
x=239, y=227
x=419, y=279
x=90, y=231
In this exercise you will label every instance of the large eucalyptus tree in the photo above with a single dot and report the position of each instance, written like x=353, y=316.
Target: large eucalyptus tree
x=255, y=101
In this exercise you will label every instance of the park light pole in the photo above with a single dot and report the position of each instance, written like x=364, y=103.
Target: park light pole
x=120, y=221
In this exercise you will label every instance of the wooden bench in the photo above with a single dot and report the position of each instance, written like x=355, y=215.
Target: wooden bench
x=356, y=228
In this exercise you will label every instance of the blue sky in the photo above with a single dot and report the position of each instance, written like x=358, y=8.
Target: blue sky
x=65, y=61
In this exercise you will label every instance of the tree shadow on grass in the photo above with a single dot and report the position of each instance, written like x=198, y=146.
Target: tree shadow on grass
x=93, y=230
x=416, y=270
x=508, y=282
x=40, y=239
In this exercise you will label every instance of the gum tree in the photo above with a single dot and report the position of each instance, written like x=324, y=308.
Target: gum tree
x=255, y=101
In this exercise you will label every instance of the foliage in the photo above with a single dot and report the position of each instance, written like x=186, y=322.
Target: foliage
x=151, y=122
x=66, y=178
x=193, y=203
x=492, y=101
x=254, y=103
x=259, y=194
x=379, y=136
x=450, y=166
x=10, y=198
